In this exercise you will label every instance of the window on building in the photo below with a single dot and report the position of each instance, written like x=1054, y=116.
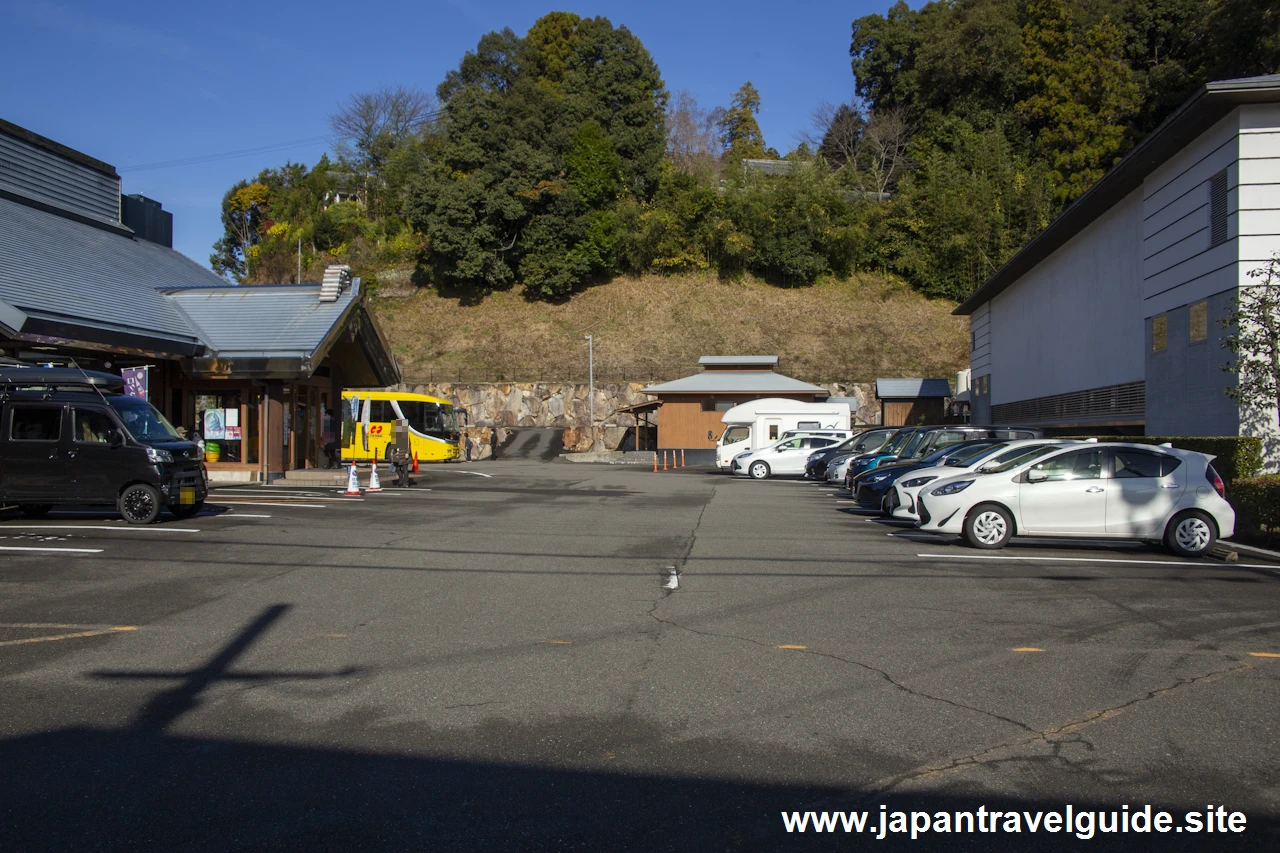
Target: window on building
x=1159, y=333
x=1218, y=209
x=1199, y=321
x=714, y=405
x=973, y=341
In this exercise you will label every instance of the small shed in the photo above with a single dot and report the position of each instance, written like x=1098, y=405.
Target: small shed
x=912, y=401
x=692, y=406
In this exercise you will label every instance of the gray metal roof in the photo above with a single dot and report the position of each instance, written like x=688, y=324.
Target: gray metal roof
x=54, y=268
x=264, y=321
x=911, y=389
x=753, y=360
x=736, y=382
x=1193, y=118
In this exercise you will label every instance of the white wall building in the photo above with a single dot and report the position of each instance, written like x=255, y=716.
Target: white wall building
x=1109, y=318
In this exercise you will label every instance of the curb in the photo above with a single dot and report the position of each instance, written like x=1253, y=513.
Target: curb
x=1251, y=550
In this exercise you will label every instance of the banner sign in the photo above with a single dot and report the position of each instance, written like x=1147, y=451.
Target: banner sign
x=135, y=381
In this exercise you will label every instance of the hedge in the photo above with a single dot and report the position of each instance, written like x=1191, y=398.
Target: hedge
x=1257, y=504
x=1237, y=456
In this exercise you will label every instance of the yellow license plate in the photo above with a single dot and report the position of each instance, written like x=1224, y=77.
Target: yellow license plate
x=187, y=495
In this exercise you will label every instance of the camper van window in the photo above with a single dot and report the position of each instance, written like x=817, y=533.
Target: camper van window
x=808, y=425
x=773, y=432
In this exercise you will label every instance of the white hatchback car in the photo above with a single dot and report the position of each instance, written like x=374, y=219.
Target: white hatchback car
x=1112, y=490
x=905, y=489
x=786, y=458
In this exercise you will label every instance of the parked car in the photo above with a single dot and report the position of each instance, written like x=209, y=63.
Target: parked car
x=785, y=458
x=902, y=500
x=927, y=439
x=862, y=442
x=69, y=436
x=1112, y=490
x=873, y=488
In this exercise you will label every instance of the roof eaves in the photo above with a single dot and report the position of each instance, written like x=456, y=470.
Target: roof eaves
x=1213, y=101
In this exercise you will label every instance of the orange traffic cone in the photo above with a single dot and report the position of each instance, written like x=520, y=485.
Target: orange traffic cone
x=415, y=461
x=353, y=482
x=374, y=484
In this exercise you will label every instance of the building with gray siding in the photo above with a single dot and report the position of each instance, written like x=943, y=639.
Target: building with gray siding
x=1111, y=318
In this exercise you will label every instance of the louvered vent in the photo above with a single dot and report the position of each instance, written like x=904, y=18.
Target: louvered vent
x=336, y=279
x=1218, y=208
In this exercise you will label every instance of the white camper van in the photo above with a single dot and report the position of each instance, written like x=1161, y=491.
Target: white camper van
x=753, y=425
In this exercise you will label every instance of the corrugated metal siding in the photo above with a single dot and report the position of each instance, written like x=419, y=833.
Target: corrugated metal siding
x=263, y=320
x=51, y=265
x=35, y=173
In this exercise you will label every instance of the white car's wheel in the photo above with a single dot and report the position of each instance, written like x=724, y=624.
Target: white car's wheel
x=988, y=527
x=1191, y=534
x=759, y=470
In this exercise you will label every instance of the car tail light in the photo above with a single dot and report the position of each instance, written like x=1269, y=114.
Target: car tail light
x=1218, y=485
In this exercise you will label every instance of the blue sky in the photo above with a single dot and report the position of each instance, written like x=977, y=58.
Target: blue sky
x=136, y=83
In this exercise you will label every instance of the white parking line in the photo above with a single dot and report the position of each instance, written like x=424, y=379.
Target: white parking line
x=476, y=473
x=63, y=550
x=270, y=497
x=133, y=528
x=1092, y=560
x=231, y=515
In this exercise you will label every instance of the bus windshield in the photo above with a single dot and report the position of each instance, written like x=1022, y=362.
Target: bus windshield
x=429, y=418
x=142, y=420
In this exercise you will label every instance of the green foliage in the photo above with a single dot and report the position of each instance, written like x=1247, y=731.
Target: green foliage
x=1238, y=457
x=1080, y=94
x=739, y=131
x=1256, y=501
x=1253, y=338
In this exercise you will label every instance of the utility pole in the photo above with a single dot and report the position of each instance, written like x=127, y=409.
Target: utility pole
x=299, y=260
x=591, y=380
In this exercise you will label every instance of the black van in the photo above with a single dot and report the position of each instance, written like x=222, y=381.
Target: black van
x=70, y=436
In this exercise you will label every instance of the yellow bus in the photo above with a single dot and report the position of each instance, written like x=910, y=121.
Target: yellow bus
x=369, y=426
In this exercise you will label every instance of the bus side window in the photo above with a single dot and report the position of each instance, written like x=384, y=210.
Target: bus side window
x=381, y=412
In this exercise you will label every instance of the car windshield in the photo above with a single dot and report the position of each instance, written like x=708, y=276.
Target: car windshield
x=953, y=451
x=142, y=420
x=1014, y=458
x=965, y=455
x=910, y=449
x=899, y=438
x=735, y=434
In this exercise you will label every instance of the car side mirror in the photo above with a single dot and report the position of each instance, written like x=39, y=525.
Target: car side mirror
x=115, y=438
x=1036, y=476
x=710, y=437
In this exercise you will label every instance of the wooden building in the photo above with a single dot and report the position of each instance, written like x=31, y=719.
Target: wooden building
x=691, y=408
x=912, y=401
x=90, y=278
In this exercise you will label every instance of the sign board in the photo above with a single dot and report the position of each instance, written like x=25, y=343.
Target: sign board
x=233, y=433
x=135, y=381
x=215, y=427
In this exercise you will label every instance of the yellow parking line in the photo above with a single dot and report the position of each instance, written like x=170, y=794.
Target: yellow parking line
x=791, y=647
x=75, y=636
x=1263, y=655
x=1026, y=649
x=557, y=642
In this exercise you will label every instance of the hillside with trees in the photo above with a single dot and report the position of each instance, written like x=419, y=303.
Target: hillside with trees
x=554, y=161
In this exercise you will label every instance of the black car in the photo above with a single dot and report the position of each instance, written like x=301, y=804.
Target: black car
x=864, y=442
x=872, y=487
x=70, y=436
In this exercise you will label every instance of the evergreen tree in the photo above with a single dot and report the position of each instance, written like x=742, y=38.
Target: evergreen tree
x=739, y=131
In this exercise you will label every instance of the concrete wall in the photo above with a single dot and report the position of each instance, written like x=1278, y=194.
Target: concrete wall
x=1073, y=322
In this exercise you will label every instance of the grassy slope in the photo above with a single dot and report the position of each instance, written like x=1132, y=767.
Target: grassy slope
x=655, y=328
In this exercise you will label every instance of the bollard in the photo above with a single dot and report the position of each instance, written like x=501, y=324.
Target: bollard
x=353, y=482
x=664, y=460
x=682, y=457
x=655, y=462
x=374, y=484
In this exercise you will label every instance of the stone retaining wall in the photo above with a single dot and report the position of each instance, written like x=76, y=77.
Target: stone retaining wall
x=564, y=404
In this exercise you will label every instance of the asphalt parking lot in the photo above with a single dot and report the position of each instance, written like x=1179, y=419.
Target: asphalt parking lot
x=520, y=655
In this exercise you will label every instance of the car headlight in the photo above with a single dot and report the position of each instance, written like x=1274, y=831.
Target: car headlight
x=952, y=488
x=155, y=454
x=918, y=482
x=878, y=478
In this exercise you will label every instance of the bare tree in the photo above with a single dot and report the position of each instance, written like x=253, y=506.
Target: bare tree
x=373, y=123
x=692, y=141
x=835, y=132
x=882, y=151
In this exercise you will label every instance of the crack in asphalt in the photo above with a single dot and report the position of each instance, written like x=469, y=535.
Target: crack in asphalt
x=1052, y=736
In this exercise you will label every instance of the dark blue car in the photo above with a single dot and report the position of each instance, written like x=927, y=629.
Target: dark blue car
x=872, y=487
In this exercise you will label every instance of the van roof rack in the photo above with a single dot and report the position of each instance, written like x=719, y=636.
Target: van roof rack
x=12, y=376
